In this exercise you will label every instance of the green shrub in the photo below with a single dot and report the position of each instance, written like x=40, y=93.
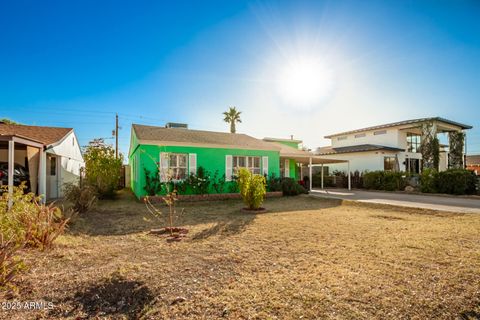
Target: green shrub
x=290, y=187
x=233, y=186
x=252, y=188
x=83, y=198
x=199, y=183
x=102, y=169
x=393, y=181
x=152, y=182
x=456, y=181
x=372, y=180
x=451, y=181
x=429, y=181
x=218, y=183
x=10, y=225
x=384, y=180
x=273, y=183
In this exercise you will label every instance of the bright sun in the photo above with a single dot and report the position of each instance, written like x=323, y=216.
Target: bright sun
x=305, y=82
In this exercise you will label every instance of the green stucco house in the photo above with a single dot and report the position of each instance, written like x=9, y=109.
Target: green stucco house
x=178, y=152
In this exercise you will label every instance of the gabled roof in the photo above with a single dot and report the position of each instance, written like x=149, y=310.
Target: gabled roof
x=402, y=123
x=198, y=138
x=287, y=151
x=358, y=148
x=44, y=135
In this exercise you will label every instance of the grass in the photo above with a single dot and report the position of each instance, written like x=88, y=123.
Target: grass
x=307, y=258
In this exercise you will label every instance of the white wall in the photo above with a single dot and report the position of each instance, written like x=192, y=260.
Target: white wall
x=361, y=161
x=70, y=160
x=443, y=163
x=391, y=139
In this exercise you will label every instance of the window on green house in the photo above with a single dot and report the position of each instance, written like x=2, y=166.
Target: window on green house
x=251, y=163
x=177, y=165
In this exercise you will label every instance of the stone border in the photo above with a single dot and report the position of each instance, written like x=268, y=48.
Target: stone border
x=211, y=197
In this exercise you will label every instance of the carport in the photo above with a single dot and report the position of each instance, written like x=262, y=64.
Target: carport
x=310, y=160
x=35, y=155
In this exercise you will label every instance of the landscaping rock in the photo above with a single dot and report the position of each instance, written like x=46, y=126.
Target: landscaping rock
x=409, y=189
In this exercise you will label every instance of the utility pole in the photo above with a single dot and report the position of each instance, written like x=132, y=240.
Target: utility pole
x=116, y=136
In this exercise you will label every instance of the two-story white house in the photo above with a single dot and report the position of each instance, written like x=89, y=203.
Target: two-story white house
x=392, y=146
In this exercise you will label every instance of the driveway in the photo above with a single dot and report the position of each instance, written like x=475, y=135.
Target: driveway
x=433, y=202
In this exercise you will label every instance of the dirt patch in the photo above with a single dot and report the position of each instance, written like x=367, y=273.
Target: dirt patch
x=114, y=297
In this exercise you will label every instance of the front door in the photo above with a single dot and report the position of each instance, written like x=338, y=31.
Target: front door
x=52, y=177
x=413, y=165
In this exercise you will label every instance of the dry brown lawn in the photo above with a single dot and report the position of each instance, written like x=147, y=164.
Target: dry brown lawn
x=307, y=258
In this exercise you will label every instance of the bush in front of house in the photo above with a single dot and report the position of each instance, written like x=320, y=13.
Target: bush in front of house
x=451, y=181
x=274, y=183
x=199, y=183
x=152, y=182
x=384, y=180
x=290, y=187
x=457, y=181
x=429, y=181
x=102, y=168
x=252, y=188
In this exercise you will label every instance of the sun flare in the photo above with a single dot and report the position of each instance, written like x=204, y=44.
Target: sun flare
x=304, y=82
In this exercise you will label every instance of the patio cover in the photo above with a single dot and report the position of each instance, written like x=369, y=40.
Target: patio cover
x=307, y=157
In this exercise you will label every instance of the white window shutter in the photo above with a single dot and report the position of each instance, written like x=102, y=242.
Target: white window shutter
x=163, y=170
x=137, y=168
x=192, y=163
x=228, y=167
x=265, y=165
x=287, y=168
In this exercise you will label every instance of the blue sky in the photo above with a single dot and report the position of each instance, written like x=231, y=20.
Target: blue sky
x=77, y=63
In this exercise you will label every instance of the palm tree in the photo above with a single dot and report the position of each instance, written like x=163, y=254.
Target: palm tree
x=232, y=116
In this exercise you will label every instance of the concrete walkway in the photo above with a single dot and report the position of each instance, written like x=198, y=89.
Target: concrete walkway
x=433, y=202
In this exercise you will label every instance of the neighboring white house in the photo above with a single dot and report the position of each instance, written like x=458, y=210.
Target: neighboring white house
x=392, y=146
x=51, y=155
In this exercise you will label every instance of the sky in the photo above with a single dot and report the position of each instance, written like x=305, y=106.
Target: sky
x=78, y=63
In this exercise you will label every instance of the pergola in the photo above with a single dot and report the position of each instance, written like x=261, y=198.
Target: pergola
x=36, y=161
x=311, y=160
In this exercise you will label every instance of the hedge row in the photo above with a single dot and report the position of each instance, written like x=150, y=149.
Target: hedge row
x=384, y=180
x=452, y=181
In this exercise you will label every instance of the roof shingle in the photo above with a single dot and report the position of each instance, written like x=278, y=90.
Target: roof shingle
x=188, y=137
x=45, y=135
